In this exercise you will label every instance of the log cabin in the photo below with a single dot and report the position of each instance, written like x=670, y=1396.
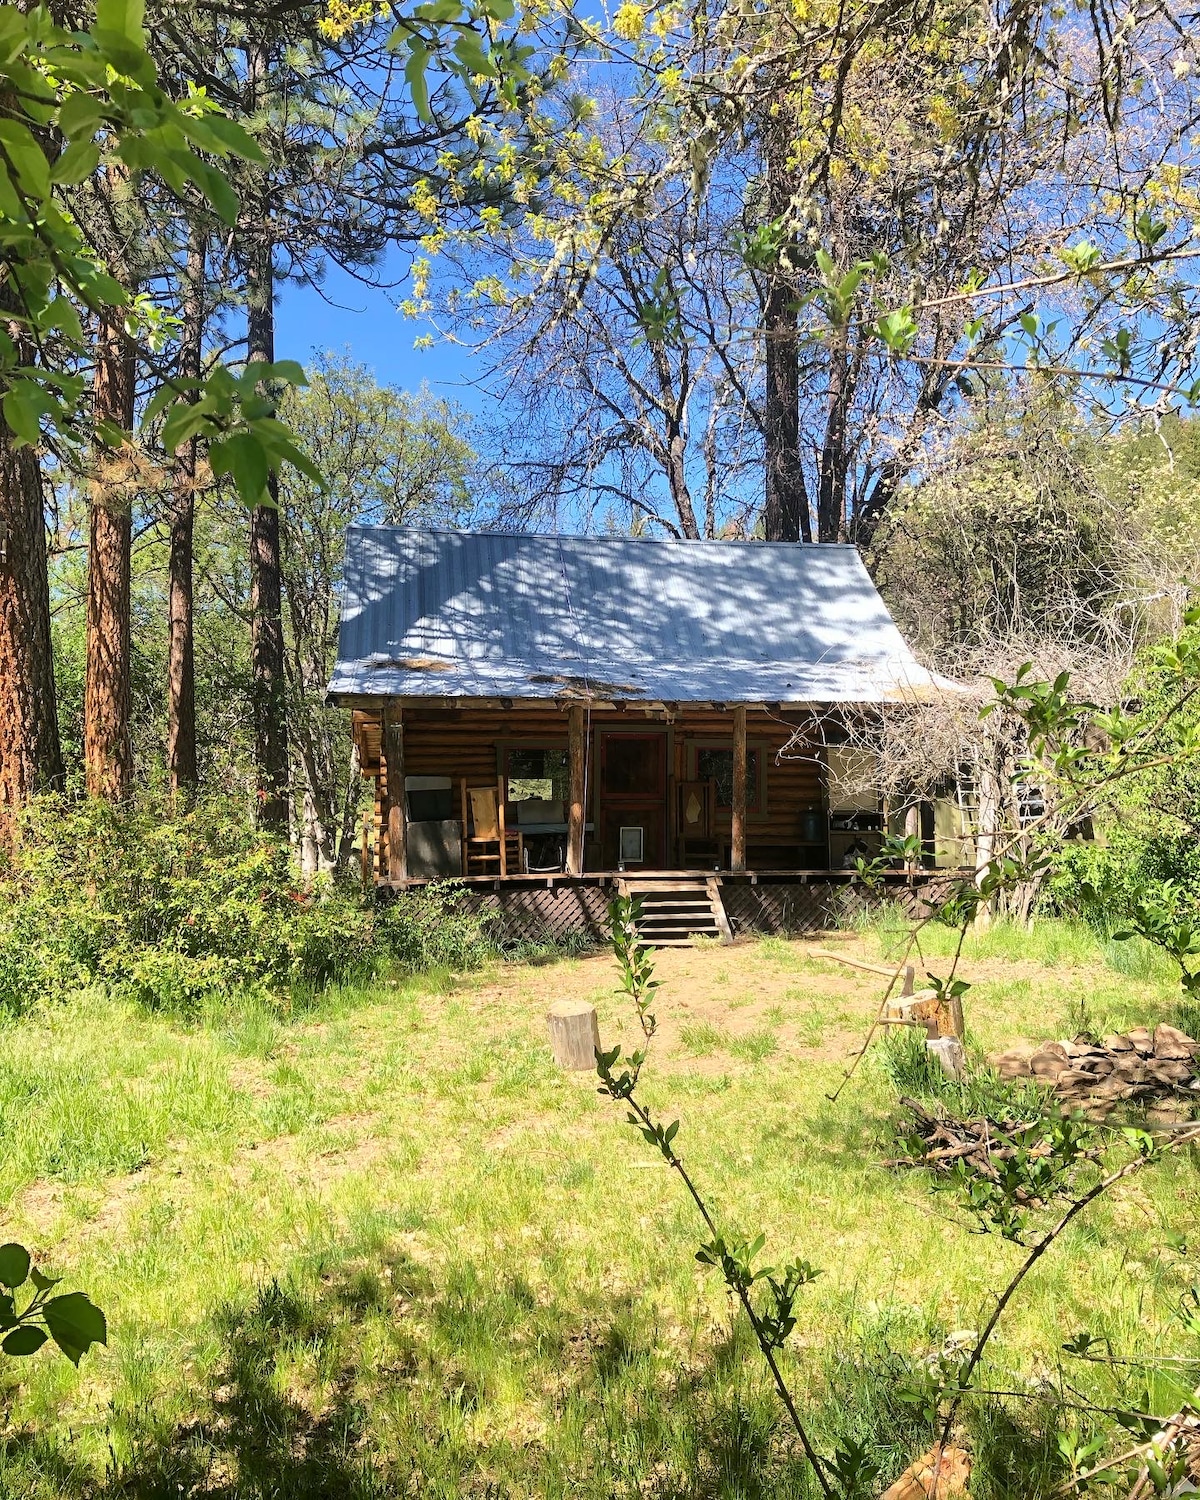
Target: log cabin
x=540, y=712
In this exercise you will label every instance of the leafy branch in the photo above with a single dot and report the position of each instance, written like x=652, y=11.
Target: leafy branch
x=71, y=1319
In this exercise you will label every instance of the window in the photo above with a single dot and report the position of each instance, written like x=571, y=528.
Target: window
x=715, y=763
x=537, y=775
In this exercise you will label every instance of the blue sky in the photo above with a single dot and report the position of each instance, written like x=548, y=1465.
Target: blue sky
x=345, y=316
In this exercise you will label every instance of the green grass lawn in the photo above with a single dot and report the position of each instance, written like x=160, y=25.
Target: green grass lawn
x=385, y=1248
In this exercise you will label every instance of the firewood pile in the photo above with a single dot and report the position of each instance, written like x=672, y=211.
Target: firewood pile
x=1157, y=1070
x=940, y=1141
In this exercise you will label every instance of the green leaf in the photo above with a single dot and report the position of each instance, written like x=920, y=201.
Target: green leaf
x=27, y=158
x=75, y=1324
x=14, y=32
x=220, y=132
x=61, y=314
x=23, y=406
x=26, y=1340
x=414, y=74
x=80, y=115
x=898, y=329
x=121, y=16
x=243, y=457
x=469, y=50
x=43, y=1283
x=290, y=370
x=211, y=181
x=439, y=10
x=184, y=421
x=14, y=1265
x=77, y=163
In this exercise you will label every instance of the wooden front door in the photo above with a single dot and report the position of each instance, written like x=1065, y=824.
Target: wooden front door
x=633, y=800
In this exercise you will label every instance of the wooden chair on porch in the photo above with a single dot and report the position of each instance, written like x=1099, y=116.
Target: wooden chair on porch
x=488, y=847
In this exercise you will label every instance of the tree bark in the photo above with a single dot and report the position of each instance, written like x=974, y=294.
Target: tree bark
x=181, y=666
x=831, y=494
x=786, y=510
x=107, y=745
x=266, y=586
x=30, y=750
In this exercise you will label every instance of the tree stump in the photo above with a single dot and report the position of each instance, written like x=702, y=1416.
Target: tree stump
x=950, y=1053
x=574, y=1035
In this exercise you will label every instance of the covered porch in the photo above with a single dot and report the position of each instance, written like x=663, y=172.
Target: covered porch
x=534, y=792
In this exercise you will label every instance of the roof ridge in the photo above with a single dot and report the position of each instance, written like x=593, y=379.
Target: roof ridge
x=571, y=536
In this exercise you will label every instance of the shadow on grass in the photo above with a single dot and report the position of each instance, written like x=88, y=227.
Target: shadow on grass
x=369, y=1378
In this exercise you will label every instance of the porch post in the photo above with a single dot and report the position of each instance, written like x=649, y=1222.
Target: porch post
x=576, y=812
x=737, y=852
x=395, y=810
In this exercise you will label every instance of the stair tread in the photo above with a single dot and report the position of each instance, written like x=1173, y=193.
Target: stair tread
x=660, y=906
x=683, y=887
x=680, y=927
x=678, y=916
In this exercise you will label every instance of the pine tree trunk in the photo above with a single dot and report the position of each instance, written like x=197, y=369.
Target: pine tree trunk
x=181, y=665
x=786, y=511
x=30, y=750
x=266, y=586
x=831, y=493
x=107, y=747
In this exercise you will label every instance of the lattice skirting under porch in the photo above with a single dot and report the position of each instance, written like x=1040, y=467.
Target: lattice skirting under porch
x=822, y=905
x=579, y=913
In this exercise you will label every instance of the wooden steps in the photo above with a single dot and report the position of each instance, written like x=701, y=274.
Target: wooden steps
x=677, y=910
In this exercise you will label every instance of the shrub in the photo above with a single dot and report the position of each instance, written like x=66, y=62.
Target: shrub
x=172, y=907
x=1148, y=847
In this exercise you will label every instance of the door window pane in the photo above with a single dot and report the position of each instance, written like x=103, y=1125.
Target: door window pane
x=633, y=846
x=633, y=765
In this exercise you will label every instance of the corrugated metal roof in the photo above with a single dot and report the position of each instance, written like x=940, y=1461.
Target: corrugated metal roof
x=484, y=615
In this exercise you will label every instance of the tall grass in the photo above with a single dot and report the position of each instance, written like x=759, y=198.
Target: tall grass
x=385, y=1247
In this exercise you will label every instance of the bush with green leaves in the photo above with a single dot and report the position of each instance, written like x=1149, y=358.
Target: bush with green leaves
x=171, y=907
x=1144, y=870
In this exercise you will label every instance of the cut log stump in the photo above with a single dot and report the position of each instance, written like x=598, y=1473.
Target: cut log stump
x=950, y=1053
x=574, y=1035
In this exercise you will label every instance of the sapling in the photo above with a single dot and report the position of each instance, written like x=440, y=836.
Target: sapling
x=766, y=1295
